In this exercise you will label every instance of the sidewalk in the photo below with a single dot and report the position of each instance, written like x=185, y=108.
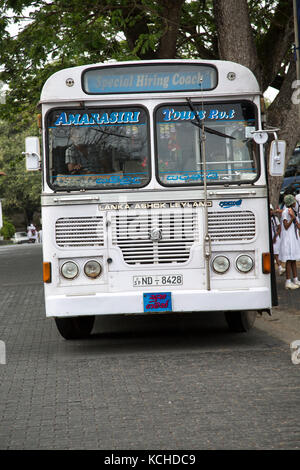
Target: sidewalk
x=285, y=320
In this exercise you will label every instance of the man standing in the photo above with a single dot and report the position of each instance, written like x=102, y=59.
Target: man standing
x=79, y=158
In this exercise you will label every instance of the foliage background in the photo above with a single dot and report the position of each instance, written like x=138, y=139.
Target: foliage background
x=19, y=190
x=55, y=34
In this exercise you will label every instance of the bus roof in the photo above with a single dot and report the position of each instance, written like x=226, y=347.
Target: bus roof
x=233, y=79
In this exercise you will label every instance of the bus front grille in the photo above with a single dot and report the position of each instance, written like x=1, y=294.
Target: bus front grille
x=231, y=225
x=79, y=231
x=133, y=234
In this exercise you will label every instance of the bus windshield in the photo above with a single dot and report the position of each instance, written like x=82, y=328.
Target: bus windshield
x=98, y=148
x=230, y=152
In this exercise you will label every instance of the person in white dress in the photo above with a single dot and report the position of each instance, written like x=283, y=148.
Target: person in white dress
x=290, y=241
x=276, y=234
x=32, y=233
x=40, y=236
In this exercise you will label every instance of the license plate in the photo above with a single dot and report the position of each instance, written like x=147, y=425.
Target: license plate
x=158, y=280
x=157, y=302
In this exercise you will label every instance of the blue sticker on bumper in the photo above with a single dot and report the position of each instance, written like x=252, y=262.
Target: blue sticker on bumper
x=157, y=302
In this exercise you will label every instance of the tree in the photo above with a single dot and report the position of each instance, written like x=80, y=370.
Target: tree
x=61, y=33
x=8, y=229
x=19, y=190
x=269, y=56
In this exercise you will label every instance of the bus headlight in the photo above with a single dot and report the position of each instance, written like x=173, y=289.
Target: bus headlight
x=220, y=264
x=92, y=269
x=69, y=270
x=244, y=263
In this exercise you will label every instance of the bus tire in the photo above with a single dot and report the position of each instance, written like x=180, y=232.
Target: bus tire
x=75, y=327
x=240, y=322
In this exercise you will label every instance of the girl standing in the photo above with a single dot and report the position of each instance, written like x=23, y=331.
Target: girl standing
x=276, y=234
x=290, y=242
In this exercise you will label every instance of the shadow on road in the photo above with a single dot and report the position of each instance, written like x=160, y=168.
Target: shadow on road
x=166, y=333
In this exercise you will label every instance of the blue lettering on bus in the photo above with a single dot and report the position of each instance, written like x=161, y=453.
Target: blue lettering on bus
x=86, y=119
x=125, y=180
x=170, y=114
x=227, y=204
x=184, y=176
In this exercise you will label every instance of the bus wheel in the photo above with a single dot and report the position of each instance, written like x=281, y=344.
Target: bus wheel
x=75, y=327
x=240, y=322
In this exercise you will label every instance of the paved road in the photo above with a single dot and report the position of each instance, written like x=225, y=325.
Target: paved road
x=140, y=383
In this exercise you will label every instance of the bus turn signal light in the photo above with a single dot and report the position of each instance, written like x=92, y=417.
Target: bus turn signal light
x=47, y=272
x=266, y=263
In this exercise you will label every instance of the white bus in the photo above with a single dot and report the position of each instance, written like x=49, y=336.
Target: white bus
x=155, y=192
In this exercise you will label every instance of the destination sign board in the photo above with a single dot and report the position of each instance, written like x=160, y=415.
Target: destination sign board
x=149, y=78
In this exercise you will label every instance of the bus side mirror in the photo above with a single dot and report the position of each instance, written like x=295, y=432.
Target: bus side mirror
x=277, y=157
x=32, y=152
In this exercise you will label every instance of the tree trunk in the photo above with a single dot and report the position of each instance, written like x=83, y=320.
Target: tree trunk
x=236, y=43
x=283, y=114
x=136, y=21
x=235, y=36
x=171, y=17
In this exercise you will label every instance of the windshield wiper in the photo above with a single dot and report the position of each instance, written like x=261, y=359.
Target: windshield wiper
x=109, y=133
x=212, y=131
x=201, y=126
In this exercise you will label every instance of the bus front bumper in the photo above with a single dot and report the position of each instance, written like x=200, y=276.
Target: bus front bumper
x=182, y=301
